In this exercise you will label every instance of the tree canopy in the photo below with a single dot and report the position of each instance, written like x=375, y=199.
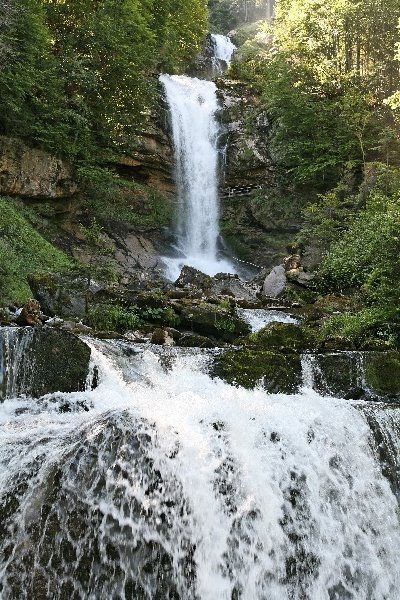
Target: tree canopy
x=77, y=75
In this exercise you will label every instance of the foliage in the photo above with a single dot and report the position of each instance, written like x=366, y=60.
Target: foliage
x=113, y=317
x=224, y=15
x=23, y=251
x=79, y=75
x=114, y=198
x=371, y=327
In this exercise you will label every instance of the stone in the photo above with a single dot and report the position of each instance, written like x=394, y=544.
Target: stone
x=230, y=285
x=285, y=337
x=33, y=173
x=161, y=337
x=275, y=282
x=193, y=278
x=41, y=361
x=194, y=340
x=30, y=314
x=300, y=277
x=382, y=373
x=212, y=321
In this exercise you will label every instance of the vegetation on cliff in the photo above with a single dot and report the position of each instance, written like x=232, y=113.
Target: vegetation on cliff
x=78, y=77
x=328, y=73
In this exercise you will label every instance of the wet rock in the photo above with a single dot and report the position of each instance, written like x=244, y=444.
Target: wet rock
x=194, y=340
x=95, y=550
x=286, y=337
x=39, y=361
x=30, y=314
x=382, y=373
x=212, y=321
x=245, y=367
x=275, y=282
x=193, y=278
x=161, y=337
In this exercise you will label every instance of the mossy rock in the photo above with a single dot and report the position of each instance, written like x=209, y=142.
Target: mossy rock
x=49, y=360
x=194, y=340
x=212, y=321
x=286, y=337
x=279, y=373
x=382, y=373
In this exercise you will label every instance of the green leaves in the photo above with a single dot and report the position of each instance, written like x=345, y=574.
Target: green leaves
x=80, y=75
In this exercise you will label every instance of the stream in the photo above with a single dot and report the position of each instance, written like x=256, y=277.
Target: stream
x=165, y=483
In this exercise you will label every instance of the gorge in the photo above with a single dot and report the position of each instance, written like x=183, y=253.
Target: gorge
x=199, y=292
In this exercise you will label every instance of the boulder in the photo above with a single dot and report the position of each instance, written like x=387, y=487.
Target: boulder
x=226, y=284
x=275, y=282
x=194, y=340
x=39, y=361
x=212, y=321
x=285, y=337
x=382, y=373
x=193, y=278
x=161, y=337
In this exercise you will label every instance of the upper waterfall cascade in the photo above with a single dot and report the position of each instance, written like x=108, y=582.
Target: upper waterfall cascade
x=223, y=48
x=193, y=105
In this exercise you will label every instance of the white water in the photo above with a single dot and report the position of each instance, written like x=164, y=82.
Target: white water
x=193, y=104
x=252, y=496
x=223, y=48
x=259, y=318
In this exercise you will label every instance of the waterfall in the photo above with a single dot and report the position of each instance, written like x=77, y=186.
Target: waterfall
x=223, y=48
x=193, y=105
x=165, y=483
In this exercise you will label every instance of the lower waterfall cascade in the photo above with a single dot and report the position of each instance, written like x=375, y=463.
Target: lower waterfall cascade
x=165, y=483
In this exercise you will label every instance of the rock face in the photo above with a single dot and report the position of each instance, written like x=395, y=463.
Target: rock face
x=41, y=361
x=33, y=173
x=151, y=162
x=259, y=216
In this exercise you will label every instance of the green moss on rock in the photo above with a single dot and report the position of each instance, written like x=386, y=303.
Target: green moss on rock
x=22, y=251
x=286, y=337
x=382, y=373
x=279, y=373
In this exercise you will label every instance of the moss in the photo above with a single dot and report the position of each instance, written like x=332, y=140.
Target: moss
x=382, y=373
x=284, y=336
x=211, y=320
x=246, y=367
x=23, y=251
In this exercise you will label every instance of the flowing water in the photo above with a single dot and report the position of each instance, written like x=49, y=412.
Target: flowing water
x=223, y=50
x=259, y=318
x=193, y=105
x=164, y=483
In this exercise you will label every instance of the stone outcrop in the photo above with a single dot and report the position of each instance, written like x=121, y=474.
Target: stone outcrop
x=32, y=173
x=151, y=162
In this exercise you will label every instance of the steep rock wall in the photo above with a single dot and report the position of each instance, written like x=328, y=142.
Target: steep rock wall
x=33, y=173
